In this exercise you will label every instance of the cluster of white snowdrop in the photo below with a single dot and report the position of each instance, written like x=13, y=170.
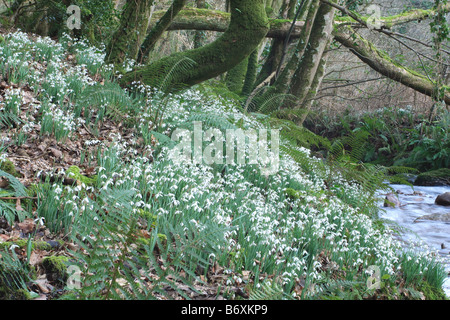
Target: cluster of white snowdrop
x=262, y=226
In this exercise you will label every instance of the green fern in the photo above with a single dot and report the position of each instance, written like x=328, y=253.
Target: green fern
x=181, y=66
x=298, y=135
x=119, y=104
x=268, y=103
x=16, y=185
x=14, y=276
x=267, y=291
x=9, y=119
x=340, y=290
x=7, y=208
x=118, y=264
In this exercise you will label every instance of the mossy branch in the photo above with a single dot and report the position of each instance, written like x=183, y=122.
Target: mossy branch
x=382, y=63
x=214, y=20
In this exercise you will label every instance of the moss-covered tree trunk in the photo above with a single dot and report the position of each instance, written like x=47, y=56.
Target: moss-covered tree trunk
x=310, y=62
x=195, y=19
x=250, y=76
x=277, y=47
x=282, y=84
x=248, y=26
x=312, y=93
x=200, y=36
x=132, y=30
x=235, y=77
x=157, y=31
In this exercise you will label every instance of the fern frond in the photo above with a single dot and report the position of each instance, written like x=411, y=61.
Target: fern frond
x=7, y=209
x=268, y=103
x=119, y=104
x=181, y=66
x=339, y=289
x=267, y=291
x=298, y=135
x=18, y=187
x=14, y=276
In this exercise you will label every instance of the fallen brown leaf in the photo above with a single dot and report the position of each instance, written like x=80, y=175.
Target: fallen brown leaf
x=36, y=258
x=27, y=226
x=4, y=237
x=56, y=152
x=42, y=285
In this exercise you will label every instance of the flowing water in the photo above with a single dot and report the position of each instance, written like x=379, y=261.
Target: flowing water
x=418, y=202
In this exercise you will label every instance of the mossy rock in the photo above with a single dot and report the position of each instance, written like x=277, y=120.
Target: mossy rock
x=35, y=245
x=73, y=172
x=150, y=217
x=291, y=193
x=9, y=167
x=56, y=268
x=440, y=177
x=147, y=242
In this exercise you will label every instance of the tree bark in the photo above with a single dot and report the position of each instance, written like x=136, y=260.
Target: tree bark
x=128, y=37
x=248, y=26
x=157, y=31
x=303, y=77
x=250, y=76
x=282, y=83
x=235, y=77
x=214, y=20
x=200, y=36
x=380, y=62
x=276, y=49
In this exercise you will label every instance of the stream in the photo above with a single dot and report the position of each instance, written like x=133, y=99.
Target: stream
x=415, y=203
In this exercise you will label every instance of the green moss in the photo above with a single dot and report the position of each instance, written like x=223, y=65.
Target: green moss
x=291, y=193
x=73, y=172
x=14, y=274
x=56, y=268
x=386, y=57
x=162, y=238
x=145, y=243
x=433, y=178
x=248, y=26
x=432, y=293
x=189, y=13
x=390, y=21
x=9, y=167
x=151, y=218
x=32, y=190
x=235, y=77
x=10, y=294
x=22, y=243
